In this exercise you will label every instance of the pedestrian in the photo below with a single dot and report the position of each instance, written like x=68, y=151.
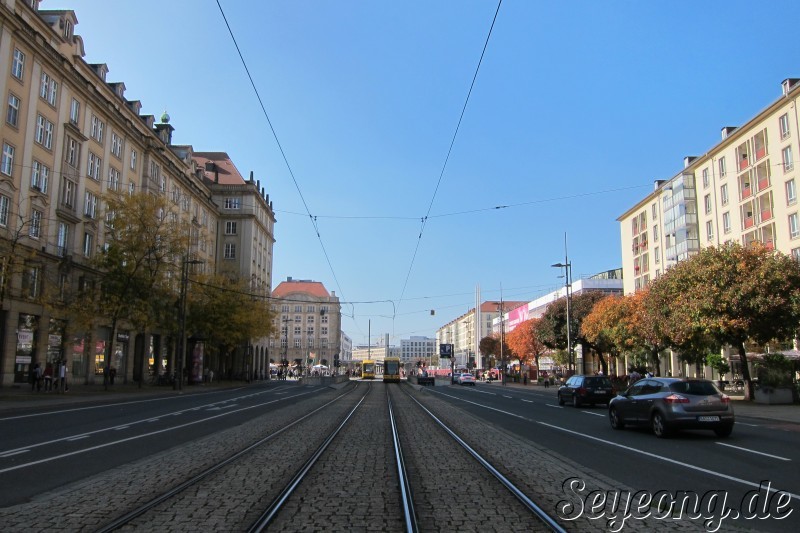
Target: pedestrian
x=48, y=377
x=205, y=375
x=62, y=376
x=36, y=378
x=546, y=382
x=112, y=373
x=210, y=376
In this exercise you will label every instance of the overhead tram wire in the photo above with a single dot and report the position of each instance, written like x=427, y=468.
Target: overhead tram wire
x=449, y=151
x=311, y=218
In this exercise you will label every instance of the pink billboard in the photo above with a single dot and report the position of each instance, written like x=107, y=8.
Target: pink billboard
x=516, y=317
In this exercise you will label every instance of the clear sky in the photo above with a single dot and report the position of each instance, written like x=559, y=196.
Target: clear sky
x=577, y=108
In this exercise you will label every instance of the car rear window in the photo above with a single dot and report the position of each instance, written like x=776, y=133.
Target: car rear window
x=598, y=382
x=697, y=388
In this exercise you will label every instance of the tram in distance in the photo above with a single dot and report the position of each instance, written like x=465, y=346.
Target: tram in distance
x=391, y=370
x=367, y=369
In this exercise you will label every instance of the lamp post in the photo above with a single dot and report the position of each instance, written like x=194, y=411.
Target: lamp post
x=567, y=266
x=184, y=284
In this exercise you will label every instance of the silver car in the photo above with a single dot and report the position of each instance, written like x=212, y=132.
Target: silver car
x=669, y=404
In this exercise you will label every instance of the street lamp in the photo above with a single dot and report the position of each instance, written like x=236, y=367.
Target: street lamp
x=184, y=283
x=567, y=266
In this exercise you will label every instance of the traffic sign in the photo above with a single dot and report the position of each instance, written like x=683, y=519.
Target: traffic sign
x=446, y=350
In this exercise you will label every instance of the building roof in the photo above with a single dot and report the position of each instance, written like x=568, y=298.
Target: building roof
x=223, y=168
x=494, y=307
x=313, y=288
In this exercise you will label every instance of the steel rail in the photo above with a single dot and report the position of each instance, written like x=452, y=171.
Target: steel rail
x=267, y=516
x=521, y=496
x=127, y=518
x=409, y=515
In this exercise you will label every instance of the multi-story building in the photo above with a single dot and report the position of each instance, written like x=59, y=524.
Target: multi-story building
x=743, y=189
x=466, y=331
x=245, y=234
x=416, y=349
x=346, y=349
x=68, y=137
x=307, y=322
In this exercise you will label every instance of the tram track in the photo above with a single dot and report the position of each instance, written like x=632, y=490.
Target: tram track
x=205, y=498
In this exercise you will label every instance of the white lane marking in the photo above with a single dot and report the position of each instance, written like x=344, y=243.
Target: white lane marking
x=591, y=413
x=9, y=454
x=77, y=437
x=507, y=396
x=556, y=406
x=665, y=459
x=119, y=428
x=484, y=392
x=152, y=419
x=754, y=451
x=157, y=432
x=528, y=401
x=751, y=425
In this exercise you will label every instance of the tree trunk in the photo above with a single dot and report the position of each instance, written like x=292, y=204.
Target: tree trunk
x=110, y=354
x=749, y=392
x=656, y=361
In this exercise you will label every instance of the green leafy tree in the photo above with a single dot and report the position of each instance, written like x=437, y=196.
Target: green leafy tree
x=718, y=363
x=552, y=328
x=729, y=294
x=608, y=325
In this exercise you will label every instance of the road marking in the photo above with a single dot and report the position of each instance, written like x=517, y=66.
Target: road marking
x=78, y=437
x=556, y=406
x=152, y=419
x=119, y=428
x=754, y=451
x=528, y=401
x=484, y=392
x=662, y=458
x=591, y=413
x=507, y=396
x=751, y=425
x=9, y=454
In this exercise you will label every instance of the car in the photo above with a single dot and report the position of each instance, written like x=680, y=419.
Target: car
x=670, y=404
x=466, y=379
x=580, y=390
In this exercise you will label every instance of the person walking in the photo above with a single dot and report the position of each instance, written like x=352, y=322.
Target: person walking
x=48, y=377
x=62, y=377
x=36, y=378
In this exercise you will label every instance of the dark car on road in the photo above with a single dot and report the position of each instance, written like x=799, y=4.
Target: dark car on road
x=581, y=390
x=670, y=404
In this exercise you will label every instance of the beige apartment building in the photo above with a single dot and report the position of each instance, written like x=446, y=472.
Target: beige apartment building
x=68, y=136
x=743, y=189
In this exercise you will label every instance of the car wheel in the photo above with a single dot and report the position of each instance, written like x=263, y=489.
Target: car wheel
x=560, y=400
x=616, y=420
x=724, y=431
x=660, y=427
x=575, y=401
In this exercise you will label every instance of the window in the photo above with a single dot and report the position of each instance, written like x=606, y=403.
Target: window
x=90, y=205
x=709, y=230
x=68, y=189
x=310, y=319
x=722, y=167
x=30, y=281
x=705, y=177
x=794, y=227
x=657, y=255
x=298, y=309
x=44, y=132
x=726, y=222
x=311, y=309
x=40, y=176
x=133, y=159
x=707, y=202
x=36, y=224
x=113, y=179
x=230, y=228
x=12, y=115
x=93, y=168
x=62, y=243
x=88, y=244
x=116, y=144
x=796, y=254
x=131, y=188
x=74, y=111
x=297, y=330
x=67, y=29
x=7, y=163
x=231, y=203
x=297, y=343
x=18, y=64
x=230, y=250
x=5, y=205
x=723, y=194
x=784, y=124
x=310, y=330
x=788, y=162
x=324, y=331
x=48, y=89
x=73, y=152
x=654, y=208
x=97, y=129
x=791, y=192
x=655, y=232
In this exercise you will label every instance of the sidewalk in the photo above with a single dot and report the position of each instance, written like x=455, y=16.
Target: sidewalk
x=15, y=398
x=777, y=413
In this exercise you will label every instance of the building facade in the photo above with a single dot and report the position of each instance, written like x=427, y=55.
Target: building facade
x=417, y=348
x=307, y=323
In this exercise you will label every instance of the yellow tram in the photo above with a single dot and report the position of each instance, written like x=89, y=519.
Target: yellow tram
x=367, y=369
x=391, y=370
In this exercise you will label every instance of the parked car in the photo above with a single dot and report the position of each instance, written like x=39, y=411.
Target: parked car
x=580, y=390
x=466, y=379
x=669, y=404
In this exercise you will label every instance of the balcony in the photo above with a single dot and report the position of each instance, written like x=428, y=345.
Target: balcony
x=761, y=152
x=747, y=192
x=766, y=214
x=763, y=183
x=743, y=162
x=748, y=222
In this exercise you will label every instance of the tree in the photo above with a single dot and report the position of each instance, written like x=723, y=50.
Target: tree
x=718, y=363
x=729, y=294
x=607, y=325
x=524, y=342
x=133, y=272
x=552, y=329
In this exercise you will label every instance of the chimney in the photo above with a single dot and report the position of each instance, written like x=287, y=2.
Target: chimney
x=727, y=130
x=787, y=85
x=688, y=160
x=658, y=183
x=289, y=278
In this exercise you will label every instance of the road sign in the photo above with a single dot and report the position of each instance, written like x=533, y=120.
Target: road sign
x=445, y=350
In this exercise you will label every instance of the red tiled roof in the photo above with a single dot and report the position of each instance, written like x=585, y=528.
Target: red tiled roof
x=314, y=288
x=226, y=170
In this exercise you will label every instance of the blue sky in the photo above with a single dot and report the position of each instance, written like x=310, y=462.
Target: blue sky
x=578, y=107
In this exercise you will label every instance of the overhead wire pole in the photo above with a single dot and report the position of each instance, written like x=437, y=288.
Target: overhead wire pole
x=449, y=151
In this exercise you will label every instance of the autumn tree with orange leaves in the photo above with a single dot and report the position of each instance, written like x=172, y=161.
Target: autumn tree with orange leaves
x=525, y=343
x=608, y=325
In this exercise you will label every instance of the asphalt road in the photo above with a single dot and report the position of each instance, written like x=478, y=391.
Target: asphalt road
x=757, y=453
x=50, y=447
